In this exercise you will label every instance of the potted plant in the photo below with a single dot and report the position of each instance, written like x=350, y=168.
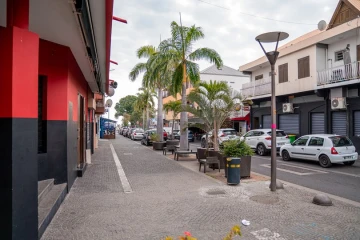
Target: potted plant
x=157, y=145
x=239, y=149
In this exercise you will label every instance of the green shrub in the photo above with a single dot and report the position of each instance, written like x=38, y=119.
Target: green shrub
x=236, y=148
x=155, y=137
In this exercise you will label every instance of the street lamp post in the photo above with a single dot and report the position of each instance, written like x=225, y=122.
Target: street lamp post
x=272, y=56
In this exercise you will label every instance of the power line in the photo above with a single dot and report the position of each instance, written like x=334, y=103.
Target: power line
x=252, y=15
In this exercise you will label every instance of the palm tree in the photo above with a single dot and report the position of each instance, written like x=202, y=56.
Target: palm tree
x=175, y=108
x=144, y=103
x=178, y=50
x=152, y=79
x=215, y=102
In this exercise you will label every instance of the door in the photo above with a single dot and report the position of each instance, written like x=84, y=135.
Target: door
x=317, y=123
x=266, y=121
x=236, y=126
x=289, y=123
x=298, y=148
x=256, y=123
x=81, y=133
x=313, y=149
x=338, y=123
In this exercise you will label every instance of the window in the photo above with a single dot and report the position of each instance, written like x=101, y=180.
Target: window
x=301, y=141
x=283, y=73
x=340, y=141
x=304, y=67
x=339, y=56
x=258, y=77
x=258, y=133
x=316, y=141
x=278, y=133
x=249, y=134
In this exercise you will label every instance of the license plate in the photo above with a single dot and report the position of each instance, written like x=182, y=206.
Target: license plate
x=280, y=144
x=349, y=157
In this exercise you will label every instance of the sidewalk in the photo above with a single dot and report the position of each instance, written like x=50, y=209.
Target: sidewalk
x=168, y=199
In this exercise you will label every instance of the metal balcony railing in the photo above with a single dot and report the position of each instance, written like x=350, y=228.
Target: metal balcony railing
x=339, y=74
x=256, y=88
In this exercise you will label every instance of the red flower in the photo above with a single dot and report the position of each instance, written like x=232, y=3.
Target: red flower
x=187, y=234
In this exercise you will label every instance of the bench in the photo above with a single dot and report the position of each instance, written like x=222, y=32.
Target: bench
x=208, y=161
x=170, y=148
x=180, y=152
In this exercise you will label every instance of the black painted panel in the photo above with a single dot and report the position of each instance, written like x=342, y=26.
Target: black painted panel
x=18, y=179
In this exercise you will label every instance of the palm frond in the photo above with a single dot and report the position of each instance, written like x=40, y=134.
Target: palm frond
x=137, y=70
x=145, y=51
x=206, y=54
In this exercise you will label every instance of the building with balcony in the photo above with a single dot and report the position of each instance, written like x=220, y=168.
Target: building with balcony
x=54, y=72
x=317, y=80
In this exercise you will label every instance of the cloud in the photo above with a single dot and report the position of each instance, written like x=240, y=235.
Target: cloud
x=230, y=32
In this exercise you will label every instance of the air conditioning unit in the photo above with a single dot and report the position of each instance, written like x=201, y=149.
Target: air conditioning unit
x=338, y=103
x=288, y=108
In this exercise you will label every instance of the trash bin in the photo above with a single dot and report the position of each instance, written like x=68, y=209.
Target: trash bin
x=292, y=138
x=233, y=171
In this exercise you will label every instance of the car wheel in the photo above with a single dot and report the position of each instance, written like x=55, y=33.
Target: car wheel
x=203, y=143
x=285, y=155
x=349, y=163
x=261, y=150
x=324, y=161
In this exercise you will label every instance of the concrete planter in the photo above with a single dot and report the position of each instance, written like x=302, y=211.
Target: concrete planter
x=245, y=168
x=158, y=145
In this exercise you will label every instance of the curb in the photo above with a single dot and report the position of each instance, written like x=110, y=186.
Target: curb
x=344, y=200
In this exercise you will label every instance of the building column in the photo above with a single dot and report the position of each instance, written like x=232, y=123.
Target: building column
x=18, y=124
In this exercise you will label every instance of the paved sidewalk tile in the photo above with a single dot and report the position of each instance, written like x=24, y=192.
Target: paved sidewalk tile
x=168, y=199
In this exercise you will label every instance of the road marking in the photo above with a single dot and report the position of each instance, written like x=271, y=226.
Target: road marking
x=128, y=154
x=311, y=169
x=314, y=169
x=123, y=179
x=290, y=171
x=266, y=234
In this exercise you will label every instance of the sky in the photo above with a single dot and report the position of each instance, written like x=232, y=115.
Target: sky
x=230, y=28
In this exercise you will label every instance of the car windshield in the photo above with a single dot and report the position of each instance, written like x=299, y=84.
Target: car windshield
x=278, y=133
x=139, y=131
x=340, y=141
x=229, y=132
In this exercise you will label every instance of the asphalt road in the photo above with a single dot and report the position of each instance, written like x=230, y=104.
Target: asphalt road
x=339, y=180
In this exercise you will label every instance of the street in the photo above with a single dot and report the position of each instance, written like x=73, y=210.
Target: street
x=339, y=180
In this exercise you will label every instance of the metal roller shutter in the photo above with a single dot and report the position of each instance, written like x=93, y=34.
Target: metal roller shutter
x=339, y=123
x=266, y=121
x=317, y=123
x=357, y=123
x=289, y=123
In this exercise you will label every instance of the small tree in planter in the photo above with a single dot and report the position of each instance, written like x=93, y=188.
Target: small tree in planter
x=239, y=149
x=157, y=144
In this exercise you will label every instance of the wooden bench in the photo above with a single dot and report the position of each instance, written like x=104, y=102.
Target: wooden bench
x=208, y=161
x=171, y=148
x=180, y=152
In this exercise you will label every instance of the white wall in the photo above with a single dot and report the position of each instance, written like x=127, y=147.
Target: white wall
x=235, y=82
x=340, y=45
x=320, y=59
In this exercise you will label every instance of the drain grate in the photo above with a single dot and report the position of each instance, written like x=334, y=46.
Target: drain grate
x=216, y=192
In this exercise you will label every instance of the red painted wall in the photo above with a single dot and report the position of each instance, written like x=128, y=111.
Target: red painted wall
x=64, y=80
x=54, y=65
x=18, y=73
x=76, y=85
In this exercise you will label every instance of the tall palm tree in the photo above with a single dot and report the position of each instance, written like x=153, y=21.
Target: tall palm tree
x=215, y=102
x=174, y=107
x=144, y=103
x=179, y=51
x=152, y=79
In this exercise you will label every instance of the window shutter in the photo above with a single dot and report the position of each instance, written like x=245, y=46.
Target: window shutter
x=304, y=67
x=307, y=67
x=281, y=75
x=300, y=69
x=285, y=72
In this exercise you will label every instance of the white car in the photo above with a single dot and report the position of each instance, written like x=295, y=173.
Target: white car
x=325, y=148
x=137, y=134
x=260, y=140
x=224, y=134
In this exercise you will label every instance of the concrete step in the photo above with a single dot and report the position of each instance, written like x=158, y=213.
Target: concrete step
x=44, y=187
x=49, y=205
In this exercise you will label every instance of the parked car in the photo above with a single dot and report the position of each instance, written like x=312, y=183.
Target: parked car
x=224, y=134
x=137, y=134
x=146, y=140
x=130, y=132
x=124, y=131
x=260, y=140
x=325, y=148
x=191, y=136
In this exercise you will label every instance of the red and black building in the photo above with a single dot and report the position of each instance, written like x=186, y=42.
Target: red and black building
x=54, y=73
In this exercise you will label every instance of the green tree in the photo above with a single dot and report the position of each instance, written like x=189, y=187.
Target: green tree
x=178, y=52
x=155, y=77
x=175, y=108
x=125, y=120
x=215, y=101
x=125, y=105
x=145, y=103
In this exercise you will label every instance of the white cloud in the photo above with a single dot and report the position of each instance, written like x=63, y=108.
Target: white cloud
x=230, y=32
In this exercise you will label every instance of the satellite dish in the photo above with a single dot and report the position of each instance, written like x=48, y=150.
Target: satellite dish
x=109, y=103
x=322, y=25
x=111, y=91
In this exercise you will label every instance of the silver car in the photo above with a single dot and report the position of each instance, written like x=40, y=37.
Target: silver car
x=224, y=134
x=137, y=134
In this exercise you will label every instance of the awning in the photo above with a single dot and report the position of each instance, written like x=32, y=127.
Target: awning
x=245, y=118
